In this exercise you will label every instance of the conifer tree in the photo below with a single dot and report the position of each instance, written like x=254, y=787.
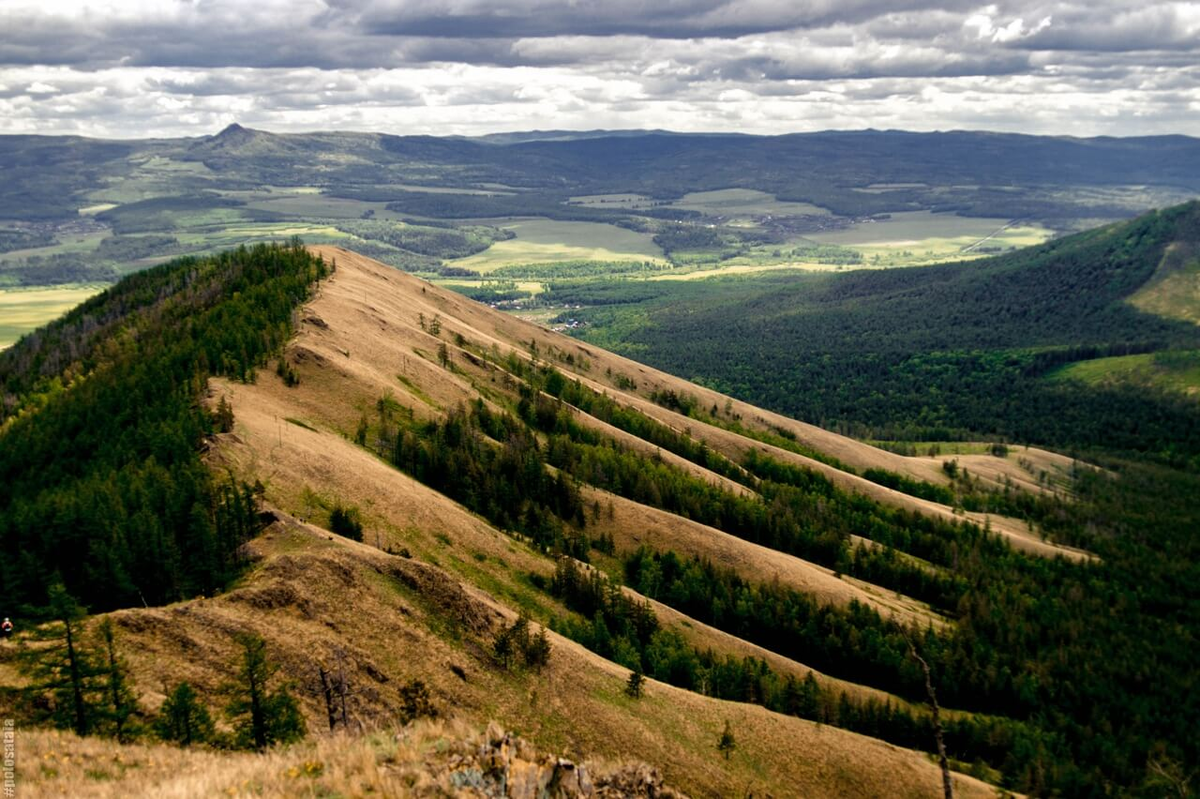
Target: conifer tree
x=633, y=687
x=727, y=744
x=120, y=701
x=224, y=416
x=261, y=716
x=502, y=647
x=536, y=650
x=59, y=663
x=183, y=719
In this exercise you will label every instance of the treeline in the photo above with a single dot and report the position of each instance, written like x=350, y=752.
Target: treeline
x=627, y=632
x=606, y=409
x=434, y=241
x=796, y=511
x=53, y=270
x=20, y=239
x=565, y=270
x=101, y=482
x=159, y=214
x=492, y=464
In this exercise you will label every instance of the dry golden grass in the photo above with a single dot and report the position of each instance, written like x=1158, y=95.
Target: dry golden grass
x=313, y=595
x=632, y=524
x=426, y=758
x=377, y=312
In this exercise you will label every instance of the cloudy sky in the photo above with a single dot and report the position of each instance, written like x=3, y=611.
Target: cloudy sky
x=169, y=67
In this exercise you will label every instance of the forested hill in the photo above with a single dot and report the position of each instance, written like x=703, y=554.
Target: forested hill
x=474, y=514
x=936, y=353
x=101, y=482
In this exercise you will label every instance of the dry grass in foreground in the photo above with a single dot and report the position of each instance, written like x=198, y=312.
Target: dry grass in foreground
x=427, y=758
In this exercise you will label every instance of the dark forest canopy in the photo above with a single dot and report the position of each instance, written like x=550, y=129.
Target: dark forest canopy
x=101, y=482
x=937, y=353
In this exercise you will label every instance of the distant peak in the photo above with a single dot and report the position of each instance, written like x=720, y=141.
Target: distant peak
x=232, y=130
x=232, y=137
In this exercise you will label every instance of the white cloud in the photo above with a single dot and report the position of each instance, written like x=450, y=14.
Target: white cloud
x=473, y=66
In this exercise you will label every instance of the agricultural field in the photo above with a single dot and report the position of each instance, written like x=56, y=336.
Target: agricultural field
x=314, y=204
x=920, y=237
x=883, y=188
x=23, y=310
x=71, y=243
x=735, y=203
x=624, y=202
x=531, y=287
x=542, y=241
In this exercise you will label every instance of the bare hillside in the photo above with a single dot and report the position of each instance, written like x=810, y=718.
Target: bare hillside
x=423, y=596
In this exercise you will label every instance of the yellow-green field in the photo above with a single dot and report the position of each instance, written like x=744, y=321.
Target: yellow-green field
x=540, y=241
x=240, y=232
x=92, y=210
x=1169, y=371
x=917, y=237
x=23, y=310
x=531, y=286
x=625, y=202
x=744, y=202
x=881, y=188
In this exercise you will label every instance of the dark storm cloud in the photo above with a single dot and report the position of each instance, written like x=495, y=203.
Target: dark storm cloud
x=666, y=19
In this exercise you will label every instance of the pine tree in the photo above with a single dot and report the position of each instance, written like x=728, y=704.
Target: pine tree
x=183, y=719
x=502, y=647
x=261, y=716
x=224, y=416
x=120, y=701
x=633, y=687
x=60, y=664
x=727, y=744
x=416, y=702
x=536, y=649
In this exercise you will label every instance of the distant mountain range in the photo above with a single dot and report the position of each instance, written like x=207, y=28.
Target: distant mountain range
x=975, y=173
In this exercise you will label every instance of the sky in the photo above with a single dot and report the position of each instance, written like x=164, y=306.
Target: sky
x=466, y=67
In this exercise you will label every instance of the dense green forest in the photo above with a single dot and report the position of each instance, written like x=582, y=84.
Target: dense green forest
x=102, y=487
x=939, y=353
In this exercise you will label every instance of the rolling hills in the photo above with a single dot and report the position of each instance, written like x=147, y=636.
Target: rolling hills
x=960, y=350
x=758, y=570
x=79, y=210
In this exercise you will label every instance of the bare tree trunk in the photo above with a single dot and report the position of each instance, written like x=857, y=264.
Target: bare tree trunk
x=327, y=692
x=947, y=786
x=343, y=689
